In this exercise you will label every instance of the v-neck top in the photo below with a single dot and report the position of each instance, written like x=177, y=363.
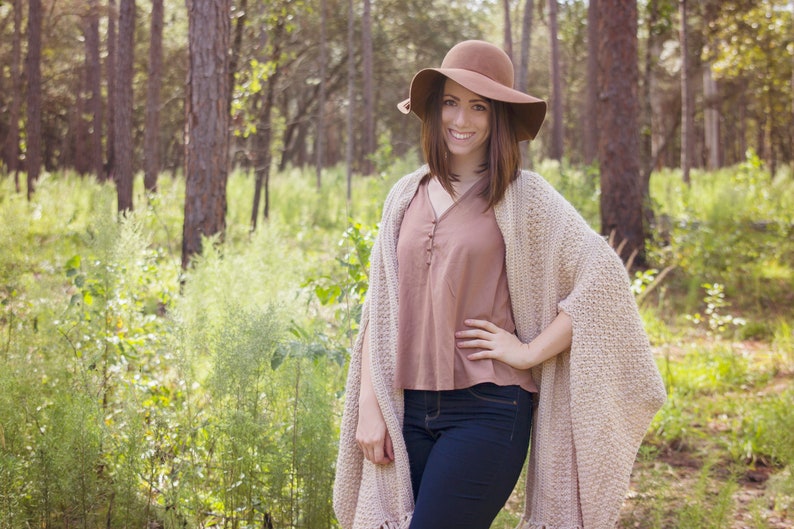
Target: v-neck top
x=451, y=267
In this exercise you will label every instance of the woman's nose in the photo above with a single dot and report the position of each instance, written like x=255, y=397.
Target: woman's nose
x=460, y=117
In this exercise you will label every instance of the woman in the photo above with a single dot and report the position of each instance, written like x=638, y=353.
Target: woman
x=493, y=311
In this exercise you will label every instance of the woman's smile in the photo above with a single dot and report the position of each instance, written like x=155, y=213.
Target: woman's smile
x=462, y=136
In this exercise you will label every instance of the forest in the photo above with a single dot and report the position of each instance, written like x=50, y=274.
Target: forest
x=189, y=192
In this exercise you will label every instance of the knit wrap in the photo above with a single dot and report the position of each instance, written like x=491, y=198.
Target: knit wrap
x=595, y=401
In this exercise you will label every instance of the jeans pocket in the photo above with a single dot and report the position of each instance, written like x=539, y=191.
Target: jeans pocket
x=490, y=392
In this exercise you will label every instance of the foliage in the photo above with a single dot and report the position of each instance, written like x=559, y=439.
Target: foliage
x=132, y=393
x=346, y=291
x=718, y=322
x=732, y=227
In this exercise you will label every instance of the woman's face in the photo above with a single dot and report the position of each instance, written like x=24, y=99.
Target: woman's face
x=465, y=121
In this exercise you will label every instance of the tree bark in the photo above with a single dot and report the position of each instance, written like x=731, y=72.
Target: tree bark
x=351, y=92
x=618, y=74
x=94, y=82
x=646, y=154
x=321, y=102
x=711, y=120
x=152, y=133
x=508, y=30
x=523, y=68
x=124, y=73
x=110, y=67
x=369, y=101
x=522, y=83
x=263, y=155
x=207, y=123
x=591, y=101
x=33, y=130
x=78, y=137
x=687, y=116
x=12, y=139
x=556, y=91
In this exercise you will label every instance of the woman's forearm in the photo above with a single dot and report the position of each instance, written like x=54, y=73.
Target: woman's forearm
x=367, y=392
x=553, y=340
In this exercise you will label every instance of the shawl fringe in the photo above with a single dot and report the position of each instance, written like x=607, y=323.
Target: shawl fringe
x=400, y=524
x=526, y=524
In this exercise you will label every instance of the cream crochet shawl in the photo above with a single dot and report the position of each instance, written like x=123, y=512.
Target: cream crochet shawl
x=595, y=401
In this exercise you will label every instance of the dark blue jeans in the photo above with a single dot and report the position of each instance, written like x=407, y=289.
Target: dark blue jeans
x=466, y=449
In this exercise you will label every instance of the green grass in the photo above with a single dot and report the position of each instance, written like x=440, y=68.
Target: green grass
x=136, y=393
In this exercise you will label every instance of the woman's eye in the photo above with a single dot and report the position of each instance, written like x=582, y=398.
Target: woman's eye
x=449, y=102
x=480, y=108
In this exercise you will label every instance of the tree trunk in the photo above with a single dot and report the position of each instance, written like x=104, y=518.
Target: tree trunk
x=94, y=82
x=321, y=102
x=646, y=156
x=77, y=155
x=556, y=91
x=369, y=102
x=151, y=140
x=351, y=93
x=263, y=156
x=711, y=119
x=508, y=32
x=110, y=67
x=618, y=74
x=523, y=68
x=124, y=73
x=12, y=139
x=33, y=130
x=770, y=153
x=591, y=101
x=687, y=116
x=207, y=123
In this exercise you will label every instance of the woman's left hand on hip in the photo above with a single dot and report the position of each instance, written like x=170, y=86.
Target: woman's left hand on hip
x=495, y=343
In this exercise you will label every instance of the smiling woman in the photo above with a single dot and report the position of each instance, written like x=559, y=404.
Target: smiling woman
x=494, y=314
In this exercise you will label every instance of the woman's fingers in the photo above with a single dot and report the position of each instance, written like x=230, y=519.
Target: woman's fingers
x=372, y=435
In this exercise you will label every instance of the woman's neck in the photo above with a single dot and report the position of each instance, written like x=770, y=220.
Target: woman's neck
x=467, y=169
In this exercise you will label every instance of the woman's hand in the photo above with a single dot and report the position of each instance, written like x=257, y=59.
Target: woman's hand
x=371, y=434
x=498, y=344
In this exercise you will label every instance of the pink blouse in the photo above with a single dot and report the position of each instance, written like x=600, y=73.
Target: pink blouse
x=451, y=268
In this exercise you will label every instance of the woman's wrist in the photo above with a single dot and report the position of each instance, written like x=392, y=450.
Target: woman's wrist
x=531, y=355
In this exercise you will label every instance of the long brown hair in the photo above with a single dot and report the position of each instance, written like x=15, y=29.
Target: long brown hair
x=503, y=160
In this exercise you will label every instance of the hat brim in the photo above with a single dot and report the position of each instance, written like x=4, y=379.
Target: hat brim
x=529, y=111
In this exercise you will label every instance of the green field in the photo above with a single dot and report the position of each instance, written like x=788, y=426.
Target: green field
x=132, y=393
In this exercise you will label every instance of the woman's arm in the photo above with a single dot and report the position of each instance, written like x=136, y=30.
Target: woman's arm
x=371, y=434
x=498, y=344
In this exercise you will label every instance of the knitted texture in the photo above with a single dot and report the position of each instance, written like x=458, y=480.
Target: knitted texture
x=594, y=403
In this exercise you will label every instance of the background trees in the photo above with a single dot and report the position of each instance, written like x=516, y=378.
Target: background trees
x=739, y=81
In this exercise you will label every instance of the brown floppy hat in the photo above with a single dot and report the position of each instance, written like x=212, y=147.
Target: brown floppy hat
x=486, y=70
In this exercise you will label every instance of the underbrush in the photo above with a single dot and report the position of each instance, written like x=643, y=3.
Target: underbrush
x=135, y=394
